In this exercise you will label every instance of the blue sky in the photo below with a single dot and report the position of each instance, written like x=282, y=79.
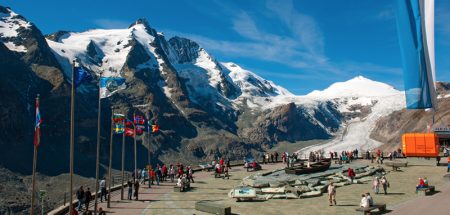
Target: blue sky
x=300, y=45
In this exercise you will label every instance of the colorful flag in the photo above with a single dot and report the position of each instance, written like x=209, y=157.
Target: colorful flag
x=139, y=120
x=110, y=85
x=37, y=126
x=129, y=132
x=415, y=27
x=155, y=128
x=80, y=75
x=117, y=117
x=118, y=128
x=140, y=129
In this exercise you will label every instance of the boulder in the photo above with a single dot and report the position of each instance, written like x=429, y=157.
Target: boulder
x=273, y=190
x=276, y=184
x=313, y=182
x=321, y=188
x=260, y=184
x=311, y=194
x=302, y=189
x=279, y=196
x=291, y=196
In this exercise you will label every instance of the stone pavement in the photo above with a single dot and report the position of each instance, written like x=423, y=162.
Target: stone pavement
x=401, y=195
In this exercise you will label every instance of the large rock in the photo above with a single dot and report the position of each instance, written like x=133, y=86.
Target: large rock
x=270, y=190
x=311, y=194
x=302, y=189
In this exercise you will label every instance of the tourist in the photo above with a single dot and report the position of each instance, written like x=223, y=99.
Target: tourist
x=136, y=190
x=332, y=194
x=87, y=198
x=102, y=189
x=164, y=173
x=272, y=157
x=376, y=185
x=75, y=212
x=385, y=184
x=276, y=156
x=246, y=165
x=152, y=175
x=420, y=185
x=180, y=171
x=171, y=173
x=179, y=182
x=158, y=174
x=369, y=199
x=364, y=203
x=283, y=157
x=425, y=181
x=130, y=189
x=438, y=160
x=448, y=164
x=254, y=165
x=221, y=161
x=267, y=158
x=80, y=197
x=228, y=163
x=190, y=174
x=225, y=172
x=101, y=211
x=264, y=158
x=351, y=174
x=143, y=176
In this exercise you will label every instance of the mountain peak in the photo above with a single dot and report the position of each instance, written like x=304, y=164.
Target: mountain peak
x=5, y=10
x=187, y=50
x=141, y=21
x=355, y=87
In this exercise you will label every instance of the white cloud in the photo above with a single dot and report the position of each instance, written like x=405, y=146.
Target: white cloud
x=111, y=23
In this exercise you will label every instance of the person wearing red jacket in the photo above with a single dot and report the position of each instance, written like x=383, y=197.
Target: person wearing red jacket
x=351, y=174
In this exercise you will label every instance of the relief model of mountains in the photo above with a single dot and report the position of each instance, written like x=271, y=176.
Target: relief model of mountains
x=205, y=108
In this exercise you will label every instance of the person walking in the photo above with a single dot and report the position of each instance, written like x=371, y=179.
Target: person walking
x=87, y=198
x=164, y=173
x=385, y=184
x=158, y=175
x=351, y=174
x=376, y=185
x=191, y=174
x=136, y=190
x=172, y=173
x=332, y=194
x=103, y=189
x=80, y=197
x=130, y=189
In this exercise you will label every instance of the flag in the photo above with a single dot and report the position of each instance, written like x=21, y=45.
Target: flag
x=110, y=85
x=140, y=129
x=139, y=120
x=129, y=132
x=118, y=128
x=37, y=126
x=80, y=75
x=117, y=117
x=155, y=128
x=415, y=27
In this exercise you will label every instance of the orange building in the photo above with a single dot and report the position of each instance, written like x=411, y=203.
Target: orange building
x=421, y=144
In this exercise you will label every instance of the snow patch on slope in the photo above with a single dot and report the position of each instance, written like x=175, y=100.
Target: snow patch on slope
x=10, y=24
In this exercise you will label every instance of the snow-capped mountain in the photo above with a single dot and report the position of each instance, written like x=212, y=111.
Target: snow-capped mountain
x=205, y=108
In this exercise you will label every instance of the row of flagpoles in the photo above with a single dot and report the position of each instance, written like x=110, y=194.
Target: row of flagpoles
x=119, y=125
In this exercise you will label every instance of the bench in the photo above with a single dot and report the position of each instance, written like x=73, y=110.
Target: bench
x=425, y=191
x=396, y=165
x=213, y=208
x=380, y=206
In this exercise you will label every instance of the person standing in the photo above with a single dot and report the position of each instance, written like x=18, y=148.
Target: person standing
x=332, y=194
x=376, y=185
x=164, y=172
x=80, y=197
x=191, y=175
x=103, y=189
x=87, y=198
x=158, y=175
x=171, y=173
x=276, y=157
x=136, y=190
x=351, y=174
x=271, y=157
x=130, y=190
x=385, y=184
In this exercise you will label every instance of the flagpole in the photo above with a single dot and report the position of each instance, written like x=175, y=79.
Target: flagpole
x=33, y=189
x=123, y=155
x=72, y=133
x=149, y=140
x=110, y=159
x=98, y=147
x=135, y=150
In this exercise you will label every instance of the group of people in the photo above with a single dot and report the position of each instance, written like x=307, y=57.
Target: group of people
x=377, y=182
x=270, y=157
x=366, y=200
x=84, y=198
x=222, y=167
x=423, y=183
